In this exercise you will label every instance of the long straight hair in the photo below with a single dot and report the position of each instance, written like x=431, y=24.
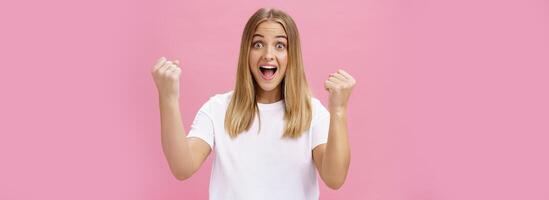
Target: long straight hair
x=296, y=93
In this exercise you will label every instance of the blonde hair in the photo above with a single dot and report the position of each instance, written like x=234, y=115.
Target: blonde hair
x=295, y=91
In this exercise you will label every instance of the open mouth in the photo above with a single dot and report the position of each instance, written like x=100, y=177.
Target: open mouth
x=268, y=71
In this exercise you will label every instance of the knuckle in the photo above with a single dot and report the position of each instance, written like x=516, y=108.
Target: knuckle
x=164, y=74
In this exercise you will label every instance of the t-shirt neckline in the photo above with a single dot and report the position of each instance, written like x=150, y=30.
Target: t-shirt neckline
x=270, y=106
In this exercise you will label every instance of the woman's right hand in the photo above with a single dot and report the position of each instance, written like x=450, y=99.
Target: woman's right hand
x=166, y=77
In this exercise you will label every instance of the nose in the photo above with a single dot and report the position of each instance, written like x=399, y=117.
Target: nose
x=268, y=59
x=268, y=55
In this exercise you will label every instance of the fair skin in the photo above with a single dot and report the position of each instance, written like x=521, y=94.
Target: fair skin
x=184, y=155
x=269, y=48
x=268, y=51
x=333, y=158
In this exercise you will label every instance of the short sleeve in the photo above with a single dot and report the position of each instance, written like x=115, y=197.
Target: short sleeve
x=321, y=125
x=202, y=127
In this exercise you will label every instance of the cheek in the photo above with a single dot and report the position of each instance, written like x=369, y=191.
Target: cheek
x=282, y=58
x=253, y=59
x=255, y=54
x=283, y=62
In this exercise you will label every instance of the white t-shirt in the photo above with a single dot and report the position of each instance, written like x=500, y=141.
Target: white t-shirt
x=261, y=165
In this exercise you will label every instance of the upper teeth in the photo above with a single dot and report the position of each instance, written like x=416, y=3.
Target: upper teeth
x=268, y=67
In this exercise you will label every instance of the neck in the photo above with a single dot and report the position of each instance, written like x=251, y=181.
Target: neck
x=269, y=96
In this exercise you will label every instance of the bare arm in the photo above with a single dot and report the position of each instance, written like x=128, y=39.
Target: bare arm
x=184, y=155
x=333, y=158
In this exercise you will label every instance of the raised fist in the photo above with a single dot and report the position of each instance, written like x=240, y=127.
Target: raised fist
x=340, y=85
x=166, y=77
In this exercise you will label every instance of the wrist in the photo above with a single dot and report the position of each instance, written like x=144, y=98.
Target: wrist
x=169, y=101
x=338, y=111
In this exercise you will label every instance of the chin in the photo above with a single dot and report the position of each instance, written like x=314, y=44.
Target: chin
x=267, y=87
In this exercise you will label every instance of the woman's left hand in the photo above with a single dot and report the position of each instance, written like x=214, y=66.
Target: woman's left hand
x=340, y=85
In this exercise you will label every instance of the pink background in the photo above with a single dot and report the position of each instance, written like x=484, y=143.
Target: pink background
x=451, y=102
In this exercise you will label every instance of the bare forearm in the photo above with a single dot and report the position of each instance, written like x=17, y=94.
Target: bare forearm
x=174, y=141
x=337, y=156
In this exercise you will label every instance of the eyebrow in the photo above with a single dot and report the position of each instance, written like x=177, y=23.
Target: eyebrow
x=278, y=36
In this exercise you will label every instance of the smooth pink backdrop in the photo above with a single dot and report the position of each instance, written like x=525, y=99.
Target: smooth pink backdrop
x=451, y=102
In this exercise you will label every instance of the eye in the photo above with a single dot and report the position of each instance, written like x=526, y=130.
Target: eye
x=257, y=45
x=280, y=46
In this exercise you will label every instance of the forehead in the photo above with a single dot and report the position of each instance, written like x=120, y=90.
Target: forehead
x=270, y=28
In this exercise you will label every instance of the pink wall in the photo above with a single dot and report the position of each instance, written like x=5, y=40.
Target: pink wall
x=451, y=102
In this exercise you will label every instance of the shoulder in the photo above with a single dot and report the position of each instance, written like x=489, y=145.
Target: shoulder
x=318, y=109
x=221, y=98
x=217, y=103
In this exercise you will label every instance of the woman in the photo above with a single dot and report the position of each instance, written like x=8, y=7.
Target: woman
x=269, y=135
